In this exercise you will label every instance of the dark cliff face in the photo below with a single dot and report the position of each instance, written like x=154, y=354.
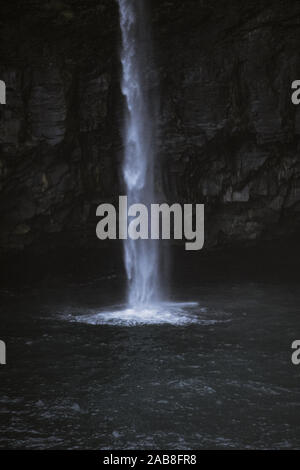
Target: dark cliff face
x=228, y=132
x=60, y=126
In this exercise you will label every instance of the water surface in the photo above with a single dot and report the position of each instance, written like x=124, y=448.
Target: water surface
x=221, y=378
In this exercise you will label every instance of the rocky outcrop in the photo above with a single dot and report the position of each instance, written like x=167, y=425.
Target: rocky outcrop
x=228, y=132
x=59, y=130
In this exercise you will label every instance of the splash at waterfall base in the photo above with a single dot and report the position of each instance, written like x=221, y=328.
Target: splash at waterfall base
x=143, y=224
x=164, y=313
x=159, y=227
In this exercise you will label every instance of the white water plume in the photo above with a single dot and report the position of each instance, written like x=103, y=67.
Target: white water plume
x=141, y=256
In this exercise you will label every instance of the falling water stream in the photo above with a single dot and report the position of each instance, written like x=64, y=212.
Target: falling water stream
x=146, y=303
x=141, y=256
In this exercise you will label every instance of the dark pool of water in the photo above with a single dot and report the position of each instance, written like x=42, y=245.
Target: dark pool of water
x=226, y=383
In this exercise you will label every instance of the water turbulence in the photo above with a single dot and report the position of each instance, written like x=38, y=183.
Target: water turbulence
x=141, y=256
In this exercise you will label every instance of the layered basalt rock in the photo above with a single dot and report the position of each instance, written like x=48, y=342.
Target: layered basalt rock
x=59, y=129
x=228, y=132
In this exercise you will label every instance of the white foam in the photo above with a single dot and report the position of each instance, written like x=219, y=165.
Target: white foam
x=172, y=313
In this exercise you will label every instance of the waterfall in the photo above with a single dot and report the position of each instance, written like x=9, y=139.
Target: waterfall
x=140, y=256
